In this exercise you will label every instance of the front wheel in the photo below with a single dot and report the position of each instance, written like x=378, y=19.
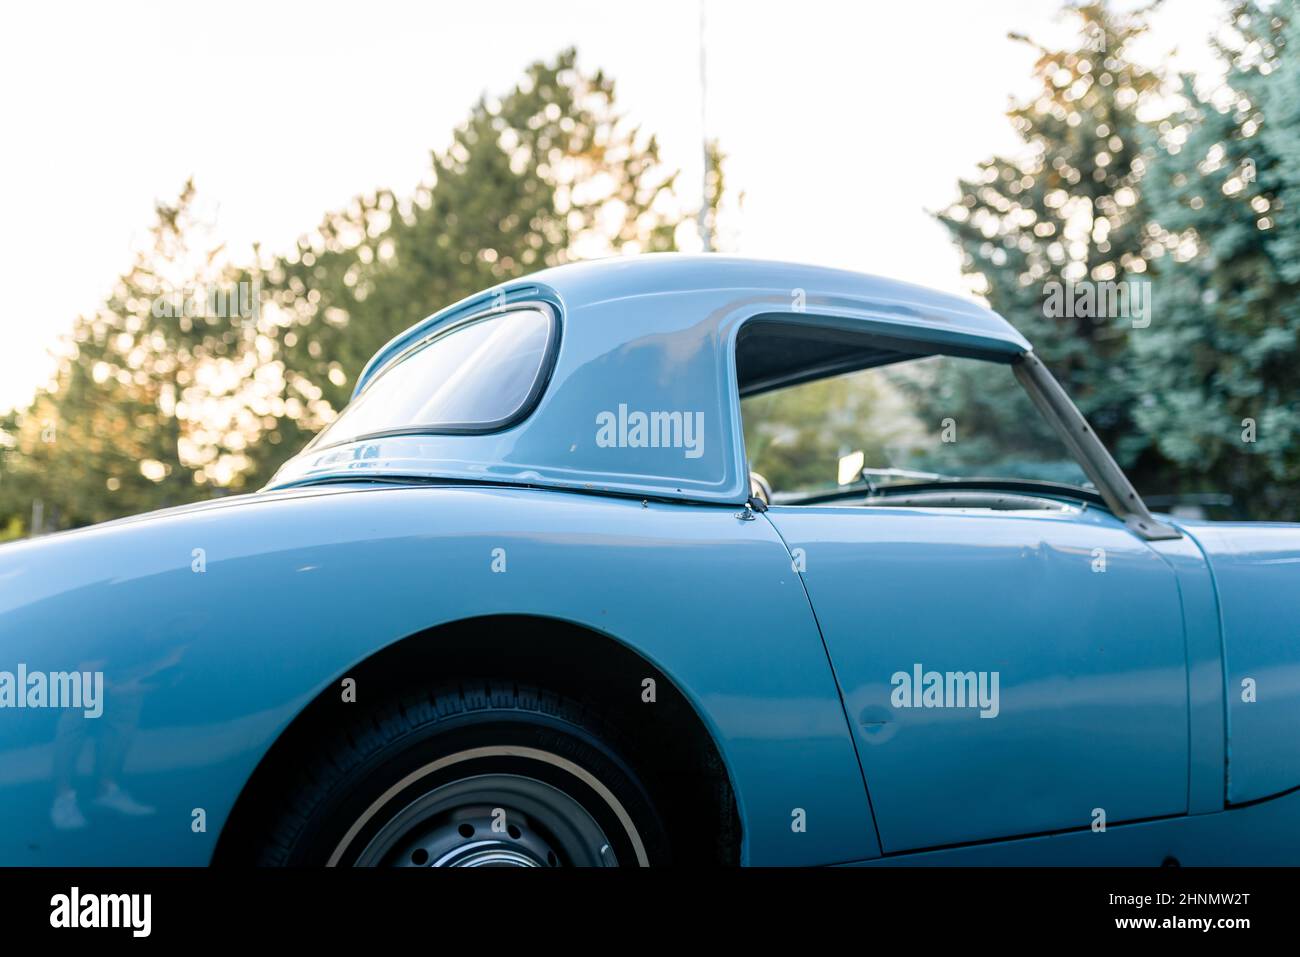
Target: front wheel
x=485, y=774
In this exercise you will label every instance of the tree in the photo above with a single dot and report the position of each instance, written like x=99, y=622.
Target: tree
x=794, y=437
x=1219, y=394
x=1069, y=210
x=196, y=377
x=144, y=409
x=549, y=173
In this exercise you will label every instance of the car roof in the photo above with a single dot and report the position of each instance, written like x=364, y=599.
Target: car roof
x=656, y=335
x=604, y=282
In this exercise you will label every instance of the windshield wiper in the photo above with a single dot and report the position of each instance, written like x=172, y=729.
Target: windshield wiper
x=926, y=480
x=1028, y=486
x=867, y=472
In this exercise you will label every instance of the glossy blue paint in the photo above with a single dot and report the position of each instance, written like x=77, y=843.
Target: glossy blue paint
x=1112, y=685
x=1259, y=835
x=1207, y=735
x=1091, y=710
x=1256, y=569
x=299, y=588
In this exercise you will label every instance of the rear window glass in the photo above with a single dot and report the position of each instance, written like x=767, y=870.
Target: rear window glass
x=474, y=377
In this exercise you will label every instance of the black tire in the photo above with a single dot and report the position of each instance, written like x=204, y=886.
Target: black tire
x=480, y=773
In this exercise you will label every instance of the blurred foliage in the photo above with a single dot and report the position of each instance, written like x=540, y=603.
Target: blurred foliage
x=1117, y=185
x=796, y=436
x=150, y=410
x=1219, y=361
x=145, y=408
x=995, y=430
x=1069, y=209
x=549, y=173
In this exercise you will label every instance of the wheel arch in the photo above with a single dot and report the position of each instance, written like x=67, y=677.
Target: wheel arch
x=668, y=741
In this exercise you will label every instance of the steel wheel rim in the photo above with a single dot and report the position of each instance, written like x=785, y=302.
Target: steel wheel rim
x=491, y=820
x=621, y=818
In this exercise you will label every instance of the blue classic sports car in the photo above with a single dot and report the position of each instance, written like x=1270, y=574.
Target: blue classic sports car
x=686, y=559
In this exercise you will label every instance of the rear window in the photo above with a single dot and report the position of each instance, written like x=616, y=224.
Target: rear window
x=477, y=376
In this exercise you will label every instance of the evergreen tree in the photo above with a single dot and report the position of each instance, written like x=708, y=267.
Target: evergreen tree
x=1217, y=366
x=1069, y=209
x=143, y=409
x=549, y=173
x=211, y=393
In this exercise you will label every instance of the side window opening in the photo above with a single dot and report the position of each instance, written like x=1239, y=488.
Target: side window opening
x=849, y=416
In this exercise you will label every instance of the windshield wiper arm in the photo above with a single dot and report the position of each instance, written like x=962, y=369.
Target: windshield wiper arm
x=1028, y=486
x=867, y=472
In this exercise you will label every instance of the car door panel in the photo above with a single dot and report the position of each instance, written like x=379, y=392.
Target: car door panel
x=1079, y=620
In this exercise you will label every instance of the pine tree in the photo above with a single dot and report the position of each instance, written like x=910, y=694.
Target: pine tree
x=549, y=173
x=1068, y=209
x=142, y=411
x=153, y=407
x=1217, y=365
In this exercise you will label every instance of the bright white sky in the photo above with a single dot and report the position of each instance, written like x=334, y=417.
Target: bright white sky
x=846, y=123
